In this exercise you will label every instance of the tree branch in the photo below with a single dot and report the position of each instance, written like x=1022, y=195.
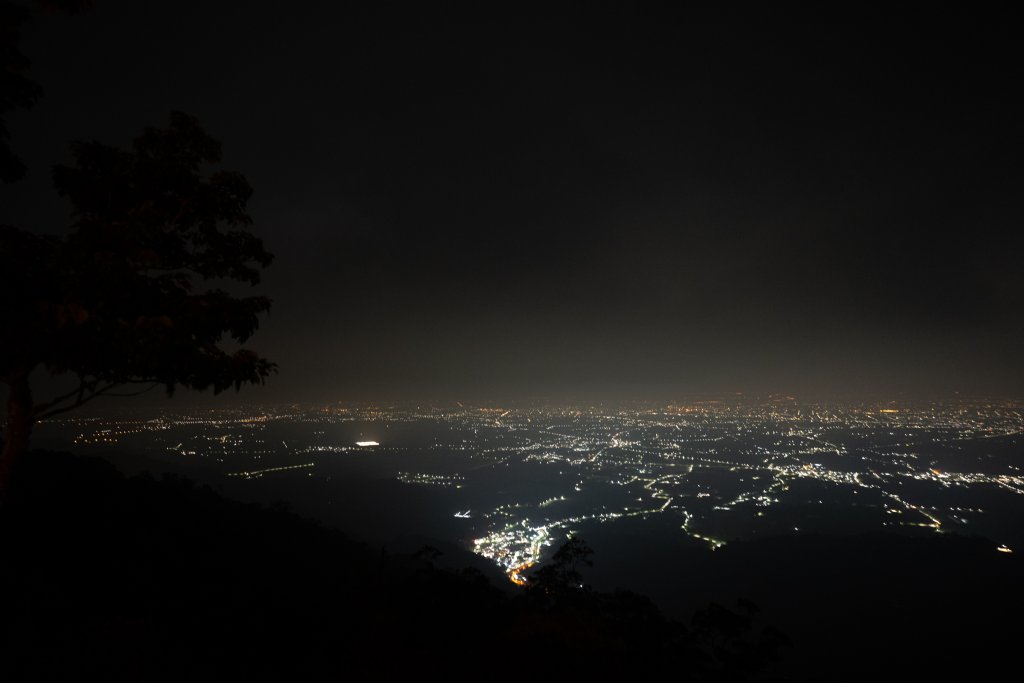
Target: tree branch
x=79, y=402
x=96, y=393
x=41, y=407
x=82, y=400
x=152, y=386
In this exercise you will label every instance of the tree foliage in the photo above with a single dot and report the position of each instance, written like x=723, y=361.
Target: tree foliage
x=139, y=290
x=17, y=90
x=562, y=574
x=116, y=301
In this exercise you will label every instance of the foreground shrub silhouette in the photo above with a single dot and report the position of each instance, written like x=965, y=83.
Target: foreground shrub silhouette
x=561, y=575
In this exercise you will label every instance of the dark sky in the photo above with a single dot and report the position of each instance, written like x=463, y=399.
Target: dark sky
x=595, y=204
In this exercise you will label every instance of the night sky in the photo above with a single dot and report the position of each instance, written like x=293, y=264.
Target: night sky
x=603, y=203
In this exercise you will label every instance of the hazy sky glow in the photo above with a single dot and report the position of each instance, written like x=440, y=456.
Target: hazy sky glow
x=593, y=205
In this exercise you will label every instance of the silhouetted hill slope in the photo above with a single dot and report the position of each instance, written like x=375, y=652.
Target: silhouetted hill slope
x=137, y=578
x=857, y=607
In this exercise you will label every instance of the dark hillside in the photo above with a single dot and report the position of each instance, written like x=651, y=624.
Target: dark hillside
x=142, y=578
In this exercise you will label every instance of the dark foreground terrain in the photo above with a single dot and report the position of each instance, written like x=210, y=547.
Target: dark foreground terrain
x=154, y=578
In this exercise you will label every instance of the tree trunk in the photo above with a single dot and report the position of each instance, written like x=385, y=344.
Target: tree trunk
x=17, y=431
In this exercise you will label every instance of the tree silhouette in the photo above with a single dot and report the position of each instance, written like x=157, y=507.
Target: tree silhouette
x=562, y=573
x=129, y=296
x=734, y=642
x=16, y=89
